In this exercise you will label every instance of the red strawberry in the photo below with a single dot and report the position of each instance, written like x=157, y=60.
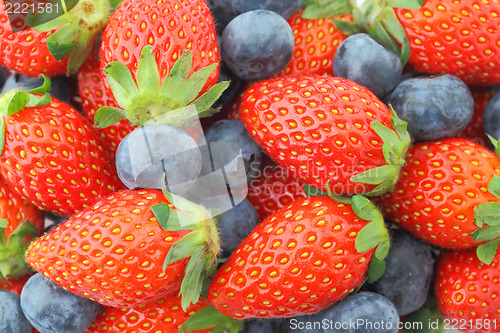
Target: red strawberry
x=467, y=291
x=327, y=129
x=456, y=37
x=300, y=260
x=14, y=285
x=272, y=189
x=52, y=156
x=438, y=190
x=115, y=252
x=94, y=95
x=474, y=130
x=316, y=41
x=165, y=315
x=57, y=45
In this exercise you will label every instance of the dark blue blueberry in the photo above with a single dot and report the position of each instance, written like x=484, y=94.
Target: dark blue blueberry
x=225, y=74
x=59, y=87
x=147, y=153
x=306, y=324
x=53, y=220
x=491, y=116
x=363, y=60
x=365, y=312
x=3, y=76
x=408, y=274
x=257, y=44
x=50, y=309
x=12, y=318
x=236, y=222
x=435, y=107
x=264, y=326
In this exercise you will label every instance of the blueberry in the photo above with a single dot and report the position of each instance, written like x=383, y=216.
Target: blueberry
x=263, y=326
x=435, y=107
x=236, y=222
x=147, y=153
x=49, y=308
x=225, y=74
x=12, y=318
x=257, y=44
x=408, y=275
x=370, y=313
x=53, y=220
x=59, y=86
x=363, y=60
x=491, y=116
x=306, y=324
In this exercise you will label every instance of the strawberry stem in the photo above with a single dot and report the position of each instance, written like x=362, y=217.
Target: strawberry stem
x=210, y=317
x=12, y=250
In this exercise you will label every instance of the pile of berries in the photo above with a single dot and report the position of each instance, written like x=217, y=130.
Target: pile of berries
x=249, y=166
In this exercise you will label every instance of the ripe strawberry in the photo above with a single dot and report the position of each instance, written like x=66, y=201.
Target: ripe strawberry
x=474, y=130
x=457, y=37
x=300, y=260
x=316, y=41
x=272, y=189
x=438, y=190
x=327, y=129
x=21, y=222
x=52, y=46
x=466, y=290
x=115, y=252
x=51, y=155
x=14, y=285
x=165, y=315
x=94, y=95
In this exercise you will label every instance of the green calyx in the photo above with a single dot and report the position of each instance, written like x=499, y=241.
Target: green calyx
x=201, y=245
x=487, y=218
x=15, y=100
x=175, y=102
x=396, y=144
x=79, y=22
x=375, y=17
x=12, y=250
x=210, y=317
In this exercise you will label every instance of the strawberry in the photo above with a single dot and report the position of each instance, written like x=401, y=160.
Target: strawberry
x=474, y=130
x=51, y=155
x=42, y=44
x=316, y=41
x=466, y=291
x=94, y=95
x=115, y=252
x=439, y=191
x=165, y=315
x=14, y=285
x=326, y=129
x=20, y=222
x=272, y=189
x=300, y=260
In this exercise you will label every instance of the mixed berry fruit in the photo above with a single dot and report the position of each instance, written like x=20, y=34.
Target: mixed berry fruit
x=250, y=166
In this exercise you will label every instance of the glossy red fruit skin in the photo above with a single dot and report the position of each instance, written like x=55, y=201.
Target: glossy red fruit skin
x=14, y=285
x=272, y=189
x=455, y=37
x=55, y=160
x=26, y=51
x=112, y=252
x=467, y=291
x=169, y=26
x=94, y=95
x=437, y=191
x=299, y=260
x=318, y=128
x=316, y=41
x=164, y=315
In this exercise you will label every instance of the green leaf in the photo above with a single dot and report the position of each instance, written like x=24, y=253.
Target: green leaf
x=114, y=4
x=348, y=28
x=376, y=269
x=39, y=101
x=408, y=4
x=192, y=283
x=326, y=8
x=43, y=88
x=487, y=213
x=382, y=249
x=148, y=77
x=339, y=198
x=380, y=34
x=365, y=209
x=313, y=192
x=427, y=319
x=206, y=100
x=494, y=186
x=209, y=317
x=161, y=212
x=393, y=26
x=192, y=86
x=18, y=102
x=487, y=233
x=183, y=248
x=172, y=84
x=487, y=251
x=2, y=134
x=108, y=115
x=4, y=223
x=376, y=176
x=121, y=82
x=50, y=20
x=16, y=238
x=61, y=43
x=370, y=236
x=495, y=144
